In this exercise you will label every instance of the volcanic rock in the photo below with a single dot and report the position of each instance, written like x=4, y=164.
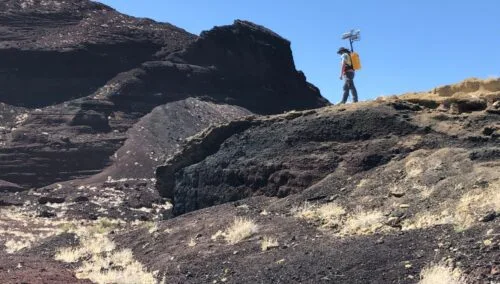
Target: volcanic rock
x=10, y=187
x=152, y=142
x=78, y=128
x=68, y=49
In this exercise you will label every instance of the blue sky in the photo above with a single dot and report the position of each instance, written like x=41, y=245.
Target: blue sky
x=406, y=45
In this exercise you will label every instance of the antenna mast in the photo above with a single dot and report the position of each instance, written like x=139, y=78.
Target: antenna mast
x=353, y=35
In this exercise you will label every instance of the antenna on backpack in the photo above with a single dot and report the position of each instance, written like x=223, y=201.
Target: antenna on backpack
x=353, y=35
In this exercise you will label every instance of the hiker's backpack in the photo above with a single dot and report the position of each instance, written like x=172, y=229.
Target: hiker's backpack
x=355, y=62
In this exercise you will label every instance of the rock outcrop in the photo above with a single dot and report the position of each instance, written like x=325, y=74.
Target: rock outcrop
x=312, y=145
x=93, y=73
x=389, y=187
x=59, y=50
x=93, y=102
x=242, y=64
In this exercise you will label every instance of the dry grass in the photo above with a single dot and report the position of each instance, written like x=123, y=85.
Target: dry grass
x=241, y=229
x=330, y=211
x=70, y=255
x=101, y=262
x=12, y=246
x=329, y=215
x=152, y=227
x=192, y=242
x=90, y=245
x=362, y=222
x=475, y=204
x=20, y=231
x=441, y=274
x=426, y=220
x=268, y=243
x=115, y=267
x=414, y=167
x=471, y=207
x=305, y=211
x=332, y=215
x=217, y=235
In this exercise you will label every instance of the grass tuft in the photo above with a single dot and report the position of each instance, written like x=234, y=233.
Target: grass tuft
x=269, y=243
x=12, y=246
x=115, y=267
x=329, y=215
x=441, y=274
x=192, y=242
x=100, y=261
x=362, y=222
x=241, y=229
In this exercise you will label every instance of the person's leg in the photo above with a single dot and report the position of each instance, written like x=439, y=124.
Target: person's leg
x=354, y=92
x=346, y=91
x=352, y=87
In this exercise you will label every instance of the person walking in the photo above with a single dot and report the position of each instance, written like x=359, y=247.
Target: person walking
x=347, y=74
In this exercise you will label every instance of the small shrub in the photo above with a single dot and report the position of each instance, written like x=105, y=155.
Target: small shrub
x=362, y=222
x=105, y=225
x=330, y=214
x=240, y=229
x=441, y=274
x=306, y=211
x=115, y=267
x=70, y=255
x=269, y=243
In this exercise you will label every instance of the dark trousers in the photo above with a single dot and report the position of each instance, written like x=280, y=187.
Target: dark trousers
x=349, y=85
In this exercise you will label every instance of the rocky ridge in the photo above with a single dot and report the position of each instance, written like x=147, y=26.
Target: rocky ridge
x=42, y=143
x=371, y=192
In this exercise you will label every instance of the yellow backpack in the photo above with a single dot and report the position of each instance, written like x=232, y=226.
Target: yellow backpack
x=356, y=63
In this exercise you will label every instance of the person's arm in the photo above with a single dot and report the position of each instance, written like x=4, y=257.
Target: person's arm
x=342, y=67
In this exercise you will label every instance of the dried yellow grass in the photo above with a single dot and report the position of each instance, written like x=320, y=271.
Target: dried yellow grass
x=90, y=245
x=329, y=215
x=426, y=220
x=475, y=204
x=217, y=235
x=268, y=243
x=332, y=215
x=441, y=274
x=241, y=229
x=192, y=242
x=469, y=209
x=305, y=211
x=362, y=222
x=116, y=267
x=70, y=255
x=12, y=246
x=330, y=211
x=101, y=262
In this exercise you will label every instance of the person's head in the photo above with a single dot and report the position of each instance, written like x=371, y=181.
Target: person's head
x=342, y=50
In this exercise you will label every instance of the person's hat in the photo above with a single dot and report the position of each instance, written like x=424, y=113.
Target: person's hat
x=342, y=50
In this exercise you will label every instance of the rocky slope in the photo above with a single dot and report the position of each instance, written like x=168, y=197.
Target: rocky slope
x=397, y=190
x=93, y=101
x=135, y=146
x=68, y=49
x=62, y=121
x=372, y=192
